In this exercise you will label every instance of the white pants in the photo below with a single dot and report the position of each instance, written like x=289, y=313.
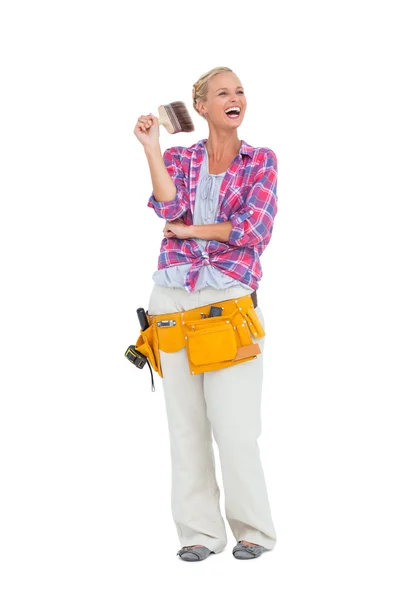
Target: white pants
x=226, y=402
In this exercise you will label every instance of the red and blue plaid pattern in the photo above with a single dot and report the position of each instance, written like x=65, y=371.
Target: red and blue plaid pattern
x=248, y=198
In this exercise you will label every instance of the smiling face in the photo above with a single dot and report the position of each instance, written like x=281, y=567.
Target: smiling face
x=224, y=91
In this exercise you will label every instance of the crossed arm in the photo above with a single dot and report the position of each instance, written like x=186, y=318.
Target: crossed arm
x=215, y=231
x=249, y=226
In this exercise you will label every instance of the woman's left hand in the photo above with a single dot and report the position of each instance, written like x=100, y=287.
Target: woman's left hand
x=177, y=229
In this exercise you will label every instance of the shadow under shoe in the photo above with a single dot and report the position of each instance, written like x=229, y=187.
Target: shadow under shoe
x=193, y=554
x=244, y=552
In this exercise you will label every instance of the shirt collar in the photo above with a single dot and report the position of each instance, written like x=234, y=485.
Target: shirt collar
x=244, y=147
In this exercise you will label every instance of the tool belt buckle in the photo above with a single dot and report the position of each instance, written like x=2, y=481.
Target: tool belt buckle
x=167, y=323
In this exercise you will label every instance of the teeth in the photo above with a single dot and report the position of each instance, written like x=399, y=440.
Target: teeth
x=232, y=109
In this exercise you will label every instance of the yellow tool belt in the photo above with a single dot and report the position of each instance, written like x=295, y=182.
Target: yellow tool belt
x=212, y=342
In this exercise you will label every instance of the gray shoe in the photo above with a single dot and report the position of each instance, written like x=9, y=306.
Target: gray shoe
x=192, y=554
x=243, y=551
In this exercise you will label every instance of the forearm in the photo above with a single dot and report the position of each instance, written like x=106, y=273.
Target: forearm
x=164, y=189
x=216, y=231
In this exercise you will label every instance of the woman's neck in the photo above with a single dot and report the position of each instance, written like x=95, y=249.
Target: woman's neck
x=219, y=146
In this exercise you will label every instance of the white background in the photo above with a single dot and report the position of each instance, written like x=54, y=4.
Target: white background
x=85, y=500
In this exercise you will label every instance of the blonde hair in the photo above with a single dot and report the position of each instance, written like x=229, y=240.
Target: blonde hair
x=200, y=88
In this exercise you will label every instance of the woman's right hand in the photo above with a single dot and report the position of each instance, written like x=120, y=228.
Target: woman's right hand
x=147, y=130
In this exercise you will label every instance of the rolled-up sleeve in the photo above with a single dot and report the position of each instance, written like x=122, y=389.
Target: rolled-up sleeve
x=180, y=204
x=253, y=224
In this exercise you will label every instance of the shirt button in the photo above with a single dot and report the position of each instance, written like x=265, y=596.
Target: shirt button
x=251, y=212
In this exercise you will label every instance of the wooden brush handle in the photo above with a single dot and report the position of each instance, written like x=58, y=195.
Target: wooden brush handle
x=164, y=120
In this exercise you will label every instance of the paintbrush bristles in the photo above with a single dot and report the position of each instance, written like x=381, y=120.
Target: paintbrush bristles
x=179, y=117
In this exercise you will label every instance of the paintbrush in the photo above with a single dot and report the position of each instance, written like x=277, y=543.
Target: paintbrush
x=175, y=117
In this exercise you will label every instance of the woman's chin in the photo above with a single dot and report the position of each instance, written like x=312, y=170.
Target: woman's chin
x=232, y=125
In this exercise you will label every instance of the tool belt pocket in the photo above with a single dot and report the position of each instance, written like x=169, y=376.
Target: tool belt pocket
x=210, y=341
x=254, y=322
x=147, y=344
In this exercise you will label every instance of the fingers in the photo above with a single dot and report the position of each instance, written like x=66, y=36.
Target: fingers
x=167, y=232
x=144, y=122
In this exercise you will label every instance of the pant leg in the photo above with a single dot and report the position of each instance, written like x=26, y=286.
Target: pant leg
x=195, y=495
x=233, y=398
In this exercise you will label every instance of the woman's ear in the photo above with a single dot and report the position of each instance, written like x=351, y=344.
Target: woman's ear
x=201, y=109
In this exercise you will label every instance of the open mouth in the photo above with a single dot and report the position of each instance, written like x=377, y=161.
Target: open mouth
x=233, y=113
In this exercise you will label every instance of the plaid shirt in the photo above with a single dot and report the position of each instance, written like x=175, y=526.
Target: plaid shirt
x=248, y=198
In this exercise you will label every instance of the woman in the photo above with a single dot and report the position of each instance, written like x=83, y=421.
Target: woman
x=219, y=200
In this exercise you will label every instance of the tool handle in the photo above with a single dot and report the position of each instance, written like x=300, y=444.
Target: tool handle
x=163, y=119
x=144, y=323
